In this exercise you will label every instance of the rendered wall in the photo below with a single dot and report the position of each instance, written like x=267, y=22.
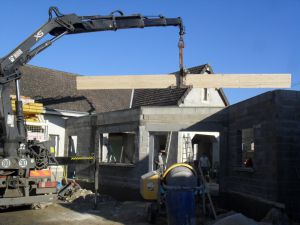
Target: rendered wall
x=195, y=98
x=56, y=126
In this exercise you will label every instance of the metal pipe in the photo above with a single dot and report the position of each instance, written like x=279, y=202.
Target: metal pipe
x=59, y=36
x=19, y=113
x=43, y=46
x=181, y=74
x=98, y=150
x=18, y=96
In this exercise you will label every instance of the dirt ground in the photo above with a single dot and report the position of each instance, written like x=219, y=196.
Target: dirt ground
x=107, y=213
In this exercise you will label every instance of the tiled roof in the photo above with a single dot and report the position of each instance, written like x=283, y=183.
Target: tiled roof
x=157, y=97
x=199, y=69
x=57, y=90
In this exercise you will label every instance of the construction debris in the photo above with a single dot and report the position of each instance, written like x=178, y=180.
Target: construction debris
x=40, y=205
x=72, y=191
x=79, y=193
x=84, y=196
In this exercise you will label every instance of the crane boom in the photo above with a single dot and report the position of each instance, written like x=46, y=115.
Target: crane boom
x=73, y=24
x=17, y=156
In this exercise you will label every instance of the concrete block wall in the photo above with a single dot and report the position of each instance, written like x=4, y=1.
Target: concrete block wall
x=87, y=130
x=82, y=128
x=127, y=176
x=143, y=122
x=176, y=119
x=288, y=141
x=124, y=176
x=261, y=181
x=275, y=117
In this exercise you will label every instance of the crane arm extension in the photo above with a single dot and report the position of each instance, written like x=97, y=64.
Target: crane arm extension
x=104, y=23
x=13, y=136
x=73, y=24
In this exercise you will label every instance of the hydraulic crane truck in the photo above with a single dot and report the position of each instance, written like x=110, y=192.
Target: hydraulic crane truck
x=23, y=164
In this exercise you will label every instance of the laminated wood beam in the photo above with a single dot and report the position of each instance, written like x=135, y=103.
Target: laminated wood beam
x=195, y=80
x=125, y=82
x=240, y=80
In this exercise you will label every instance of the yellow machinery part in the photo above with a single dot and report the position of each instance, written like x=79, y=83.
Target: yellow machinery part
x=150, y=182
x=177, y=165
x=149, y=185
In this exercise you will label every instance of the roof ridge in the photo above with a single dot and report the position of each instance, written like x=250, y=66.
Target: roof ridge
x=194, y=67
x=205, y=68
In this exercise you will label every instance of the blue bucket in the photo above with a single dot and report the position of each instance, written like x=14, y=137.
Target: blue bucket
x=181, y=208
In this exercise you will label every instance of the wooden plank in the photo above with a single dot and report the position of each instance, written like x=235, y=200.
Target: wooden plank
x=240, y=80
x=195, y=80
x=125, y=82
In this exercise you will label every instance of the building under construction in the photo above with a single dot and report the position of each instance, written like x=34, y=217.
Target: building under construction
x=185, y=122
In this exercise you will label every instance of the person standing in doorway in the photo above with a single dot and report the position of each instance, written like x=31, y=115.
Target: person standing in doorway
x=204, y=165
x=110, y=154
x=161, y=161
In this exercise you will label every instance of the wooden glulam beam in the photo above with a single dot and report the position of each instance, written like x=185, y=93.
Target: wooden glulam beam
x=195, y=80
x=240, y=81
x=125, y=82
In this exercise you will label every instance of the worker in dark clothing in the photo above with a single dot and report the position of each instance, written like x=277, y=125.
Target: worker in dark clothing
x=204, y=165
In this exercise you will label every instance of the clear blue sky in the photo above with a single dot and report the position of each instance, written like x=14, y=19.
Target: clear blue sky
x=233, y=36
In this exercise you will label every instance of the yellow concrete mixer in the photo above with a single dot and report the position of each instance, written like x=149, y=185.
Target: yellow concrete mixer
x=171, y=193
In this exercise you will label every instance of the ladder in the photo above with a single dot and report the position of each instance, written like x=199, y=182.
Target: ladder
x=168, y=145
x=205, y=193
x=187, y=149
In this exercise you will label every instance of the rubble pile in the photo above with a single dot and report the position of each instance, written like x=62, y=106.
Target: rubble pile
x=83, y=196
x=79, y=193
x=72, y=191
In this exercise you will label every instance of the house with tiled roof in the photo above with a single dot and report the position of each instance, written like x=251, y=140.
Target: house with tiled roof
x=134, y=125
x=56, y=90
